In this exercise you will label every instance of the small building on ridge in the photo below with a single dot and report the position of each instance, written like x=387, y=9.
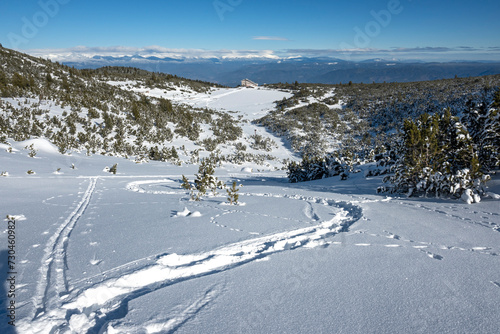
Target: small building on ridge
x=248, y=83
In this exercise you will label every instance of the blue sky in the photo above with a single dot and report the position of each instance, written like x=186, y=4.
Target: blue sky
x=420, y=29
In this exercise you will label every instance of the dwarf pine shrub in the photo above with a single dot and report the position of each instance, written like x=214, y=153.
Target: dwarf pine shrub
x=204, y=182
x=113, y=169
x=314, y=168
x=438, y=157
x=232, y=194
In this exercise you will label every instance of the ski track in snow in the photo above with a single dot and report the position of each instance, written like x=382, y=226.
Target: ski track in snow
x=172, y=323
x=53, y=282
x=137, y=186
x=94, y=302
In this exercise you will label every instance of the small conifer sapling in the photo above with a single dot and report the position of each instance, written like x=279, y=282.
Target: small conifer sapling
x=113, y=169
x=232, y=194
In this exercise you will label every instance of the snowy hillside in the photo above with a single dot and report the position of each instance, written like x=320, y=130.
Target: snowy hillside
x=127, y=112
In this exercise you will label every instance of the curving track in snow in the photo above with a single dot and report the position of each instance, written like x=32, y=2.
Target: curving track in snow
x=91, y=306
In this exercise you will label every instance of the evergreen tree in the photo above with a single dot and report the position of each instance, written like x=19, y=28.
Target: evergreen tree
x=205, y=181
x=483, y=124
x=232, y=194
x=438, y=157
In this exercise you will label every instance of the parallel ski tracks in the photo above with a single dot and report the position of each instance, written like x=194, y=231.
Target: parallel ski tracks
x=53, y=285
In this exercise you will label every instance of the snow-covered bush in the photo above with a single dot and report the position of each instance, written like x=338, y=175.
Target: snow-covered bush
x=204, y=181
x=483, y=123
x=314, y=168
x=163, y=154
x=210, y=144
x=438, y=158
x=384, y=163
x=240, y=147
x=32, y=150
x=459, y=183
x=263, y=143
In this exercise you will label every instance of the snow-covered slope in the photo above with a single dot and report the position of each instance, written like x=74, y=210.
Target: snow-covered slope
x=130, y=253
x=244, y=104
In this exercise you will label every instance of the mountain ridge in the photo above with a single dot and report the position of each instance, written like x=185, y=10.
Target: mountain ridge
x=230, y=71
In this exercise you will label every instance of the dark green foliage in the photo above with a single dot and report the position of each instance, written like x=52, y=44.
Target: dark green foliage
x=135, y=111
x=210, y=144
x=240, y=147
x=483, y=123
x=314, y=168
x=232, y=194
x=19, y=81
x=166, y=107
x=3, y=84
x=113, y=169
x=437, y=157
x=163, y=154
x=204, y=181
x=185, y=183
x=225, y=128
x=262, y=143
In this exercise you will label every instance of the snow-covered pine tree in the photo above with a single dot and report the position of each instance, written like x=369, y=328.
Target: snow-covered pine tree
x=483, y=124
x=314, y=168
x=206, y=180
x=438, y=157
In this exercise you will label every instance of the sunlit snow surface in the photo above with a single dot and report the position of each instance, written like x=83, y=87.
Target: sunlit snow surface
x=129, y=253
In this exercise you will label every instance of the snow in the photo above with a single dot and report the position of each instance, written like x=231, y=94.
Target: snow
x=131, y=253
x=39, y=144
x=251, y=103
x=187, y=213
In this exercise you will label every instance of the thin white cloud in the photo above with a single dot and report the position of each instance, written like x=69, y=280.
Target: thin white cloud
x=269, y=38
x=80, y=53
x=86, y=54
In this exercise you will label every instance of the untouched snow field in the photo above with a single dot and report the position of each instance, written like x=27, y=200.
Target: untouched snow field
x=129, y=253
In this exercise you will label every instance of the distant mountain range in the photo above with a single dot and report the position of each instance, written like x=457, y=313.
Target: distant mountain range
x=231, y=71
